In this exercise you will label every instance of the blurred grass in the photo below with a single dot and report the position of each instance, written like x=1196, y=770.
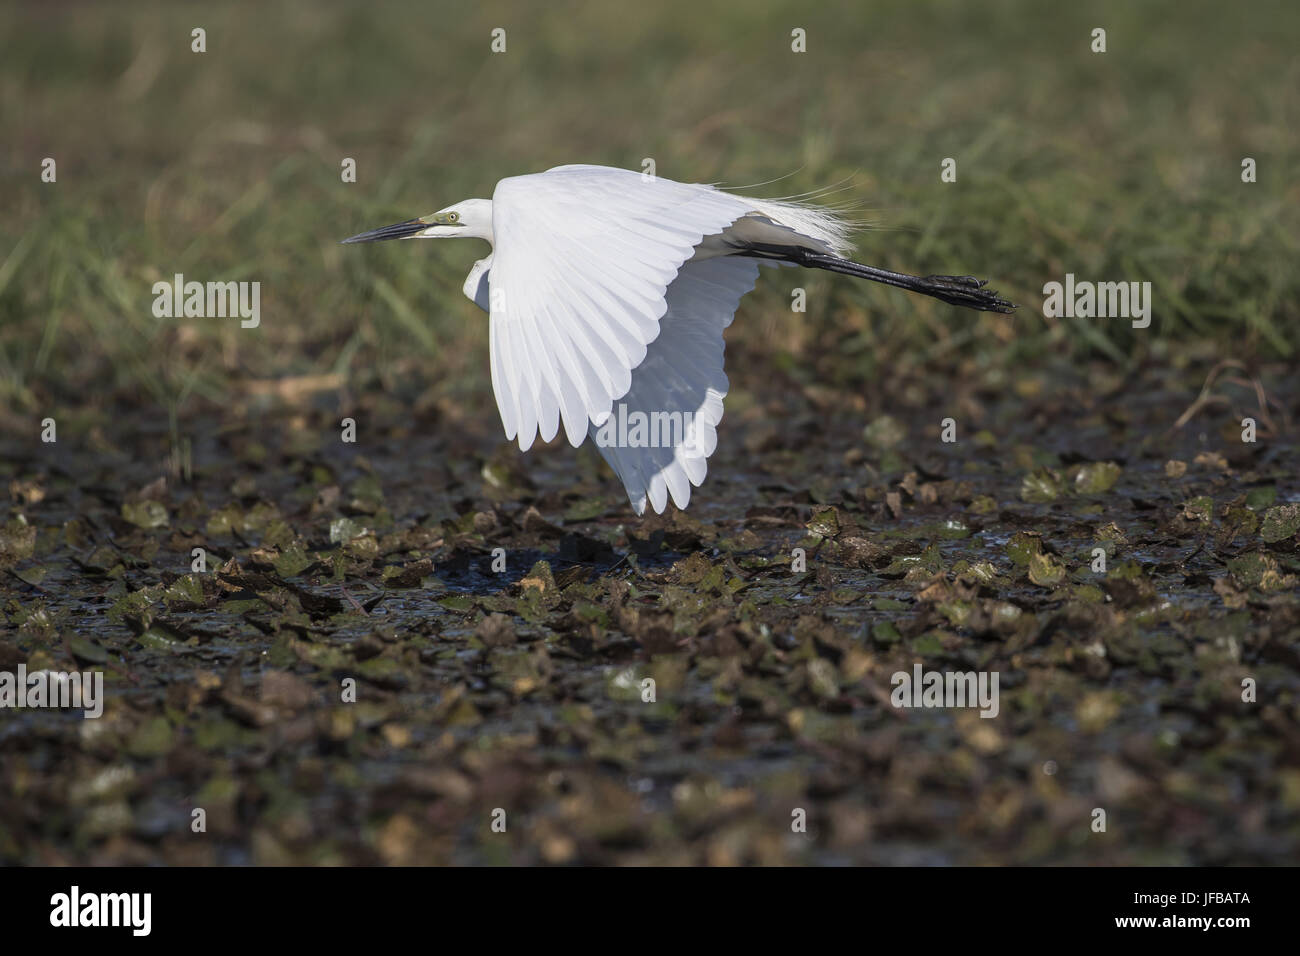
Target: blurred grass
x=225, y=166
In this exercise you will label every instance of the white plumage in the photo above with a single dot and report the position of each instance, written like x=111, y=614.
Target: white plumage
x=604, y=289
x=681, y=373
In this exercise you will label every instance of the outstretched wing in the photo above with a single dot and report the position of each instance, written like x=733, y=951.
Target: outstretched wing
x=658, y=436
x=583, y=256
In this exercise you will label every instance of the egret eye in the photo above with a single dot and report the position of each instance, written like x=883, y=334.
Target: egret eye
x=453, y=216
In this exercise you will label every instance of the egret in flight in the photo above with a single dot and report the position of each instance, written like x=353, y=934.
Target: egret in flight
x=608, y=291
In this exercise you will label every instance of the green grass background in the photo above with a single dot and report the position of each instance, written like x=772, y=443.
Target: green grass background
x=225, y=165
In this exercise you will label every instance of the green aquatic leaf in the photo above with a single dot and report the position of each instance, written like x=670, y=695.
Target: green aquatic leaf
x=1095, y=478
x=145, y=514
x=87, y=651
x=343, y=530
x=1280, y=523
x=1257, y=499
x=825, y=522
x=1045, y=571
x=884, y=632
x=1041, y=486
x=292, y=561
x=1023, y=546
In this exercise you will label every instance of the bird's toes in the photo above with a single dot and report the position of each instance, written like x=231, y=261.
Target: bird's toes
x=969, y=282
x=986, y=300
x=995, y=303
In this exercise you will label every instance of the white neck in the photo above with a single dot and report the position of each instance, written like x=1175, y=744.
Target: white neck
x=476, y=219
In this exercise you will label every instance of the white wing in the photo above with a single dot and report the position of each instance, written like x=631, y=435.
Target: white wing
x=583, y=256
x=678, y=389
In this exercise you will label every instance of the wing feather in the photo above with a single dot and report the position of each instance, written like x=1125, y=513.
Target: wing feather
x=616, y=238
x=682, y=373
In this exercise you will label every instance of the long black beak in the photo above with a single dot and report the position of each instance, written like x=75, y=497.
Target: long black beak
x=398, y=230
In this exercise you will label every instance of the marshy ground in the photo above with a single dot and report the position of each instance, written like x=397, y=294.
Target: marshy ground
x=477, y=689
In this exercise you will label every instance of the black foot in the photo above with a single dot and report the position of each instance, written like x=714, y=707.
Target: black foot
x=966, y=291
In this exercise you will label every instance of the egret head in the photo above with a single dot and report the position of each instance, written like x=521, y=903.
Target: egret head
x=471, y=219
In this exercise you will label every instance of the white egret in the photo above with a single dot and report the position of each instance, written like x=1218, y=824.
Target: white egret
x=608, y=291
